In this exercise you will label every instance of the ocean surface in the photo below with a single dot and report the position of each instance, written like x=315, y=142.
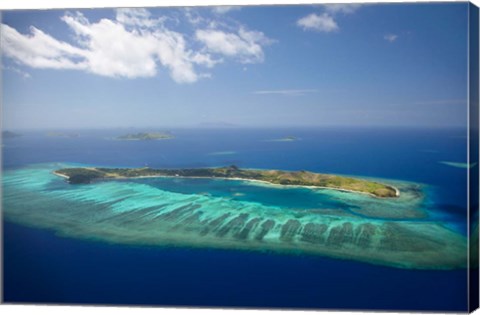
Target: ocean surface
x=48, y=263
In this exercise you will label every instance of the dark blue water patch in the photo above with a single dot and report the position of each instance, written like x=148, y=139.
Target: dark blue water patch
x=44, y=268
x=41, y=267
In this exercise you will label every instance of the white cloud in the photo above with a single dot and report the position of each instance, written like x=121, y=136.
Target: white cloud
x=21, y=73
x=390, y=37
x=345, y=8
x=39, y=50
x=193, y=17
x=136, y=17
x=111, y=50
x=245, y=45
x=225, y=9
x=326, y=21
x=132, y=45
x=205, y=60
x=319, y=23
x=286, y=92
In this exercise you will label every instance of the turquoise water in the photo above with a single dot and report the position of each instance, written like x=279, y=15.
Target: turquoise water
x=230, y=214
x=253, y=218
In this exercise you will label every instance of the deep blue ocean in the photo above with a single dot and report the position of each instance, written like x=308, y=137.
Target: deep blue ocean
x=42, y=267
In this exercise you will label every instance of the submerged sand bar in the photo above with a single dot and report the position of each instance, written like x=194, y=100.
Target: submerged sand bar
x=287, y=178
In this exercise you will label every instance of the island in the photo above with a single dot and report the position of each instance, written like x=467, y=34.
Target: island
x=63, y=134
x=9, y=135
x=85, y=175
x=286, y=139
x=136, y=212
x=145, y=136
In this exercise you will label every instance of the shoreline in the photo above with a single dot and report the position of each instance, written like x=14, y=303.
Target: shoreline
x=61, y=175
x=397, y=191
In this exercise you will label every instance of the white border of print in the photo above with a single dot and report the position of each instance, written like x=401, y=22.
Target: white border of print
x=94, y=310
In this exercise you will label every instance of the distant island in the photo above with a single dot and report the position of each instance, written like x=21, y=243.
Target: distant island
x=145, y=136
x=86, y=175
x=62, y=134
x=9, y=135
x=223, y=153
x=286, y=139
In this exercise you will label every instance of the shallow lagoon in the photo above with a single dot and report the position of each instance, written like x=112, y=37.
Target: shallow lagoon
x=213, y=214
x=318, y=151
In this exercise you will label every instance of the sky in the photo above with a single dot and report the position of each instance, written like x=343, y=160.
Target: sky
x=253, y=66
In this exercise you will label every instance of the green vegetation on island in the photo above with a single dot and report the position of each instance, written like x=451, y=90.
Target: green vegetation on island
x=297, y=178
x=145, y=136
